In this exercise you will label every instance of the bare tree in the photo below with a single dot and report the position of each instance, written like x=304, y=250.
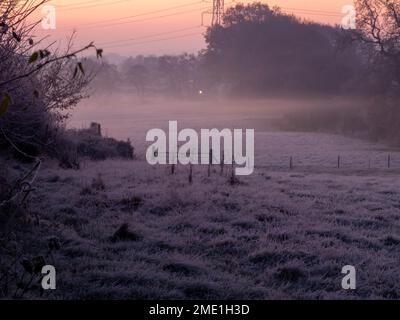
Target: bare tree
x=378, y=25
x=377, y=34
x=38, y=82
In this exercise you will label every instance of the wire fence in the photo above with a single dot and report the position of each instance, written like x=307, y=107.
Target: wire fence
x=346, y=161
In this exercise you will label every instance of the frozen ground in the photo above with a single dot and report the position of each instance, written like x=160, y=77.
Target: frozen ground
x=278, y=233
x=275, y=234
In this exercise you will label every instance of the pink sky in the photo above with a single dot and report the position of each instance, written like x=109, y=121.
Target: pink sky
x=161, y=26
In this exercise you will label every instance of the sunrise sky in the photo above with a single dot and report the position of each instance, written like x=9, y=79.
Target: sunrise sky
x=131, y=27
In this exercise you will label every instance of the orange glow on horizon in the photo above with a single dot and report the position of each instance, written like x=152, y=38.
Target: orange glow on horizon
x=161, y=26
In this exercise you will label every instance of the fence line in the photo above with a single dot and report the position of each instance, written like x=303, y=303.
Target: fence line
x=291, y=164
x=212, y=160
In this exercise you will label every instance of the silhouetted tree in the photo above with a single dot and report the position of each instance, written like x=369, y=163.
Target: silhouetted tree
x=378, y=25
x=260, y=50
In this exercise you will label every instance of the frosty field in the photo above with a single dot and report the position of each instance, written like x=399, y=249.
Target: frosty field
x=275, y=234
x=133, y=231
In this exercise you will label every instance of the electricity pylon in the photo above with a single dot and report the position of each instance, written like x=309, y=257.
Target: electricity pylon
x=218, y=12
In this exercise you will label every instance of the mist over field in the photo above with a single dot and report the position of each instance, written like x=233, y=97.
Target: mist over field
x=126, y=116
x=79, y=193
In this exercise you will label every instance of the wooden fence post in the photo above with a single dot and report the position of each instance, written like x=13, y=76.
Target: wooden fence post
x=222, y=163
x=338, y=162
x=210, y=162
x=233, y=171
x=190, y=173
x=389, y=158
x=291, y=163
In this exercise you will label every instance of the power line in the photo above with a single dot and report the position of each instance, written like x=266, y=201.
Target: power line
x=77, y=7
x=312, y=12
x=73, y=4
x=156, y=40
x=138, y=15
x=153, y=35
x=102, y=24
x=150, y=36
x=146, y=13
x=168, y=32
x=315, y=14
x=145, y=19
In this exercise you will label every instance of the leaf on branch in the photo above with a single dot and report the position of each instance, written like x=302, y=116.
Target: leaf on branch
x=4, y=27
x=80, y=66
x=75, y=72
x=30, y=41
x=33, y=57
x=44, y=53
x=99, y=53
x=5, y=103
x=16, y=36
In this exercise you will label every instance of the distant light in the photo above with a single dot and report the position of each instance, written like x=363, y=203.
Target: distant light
x=200, y=92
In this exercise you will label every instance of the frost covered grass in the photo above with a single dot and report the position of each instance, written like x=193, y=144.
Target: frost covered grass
x=128, y=230
x=132, y=231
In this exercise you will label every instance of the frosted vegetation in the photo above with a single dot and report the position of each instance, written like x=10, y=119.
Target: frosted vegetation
x=275, y=234
x=115, y=228
x=130, y=230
